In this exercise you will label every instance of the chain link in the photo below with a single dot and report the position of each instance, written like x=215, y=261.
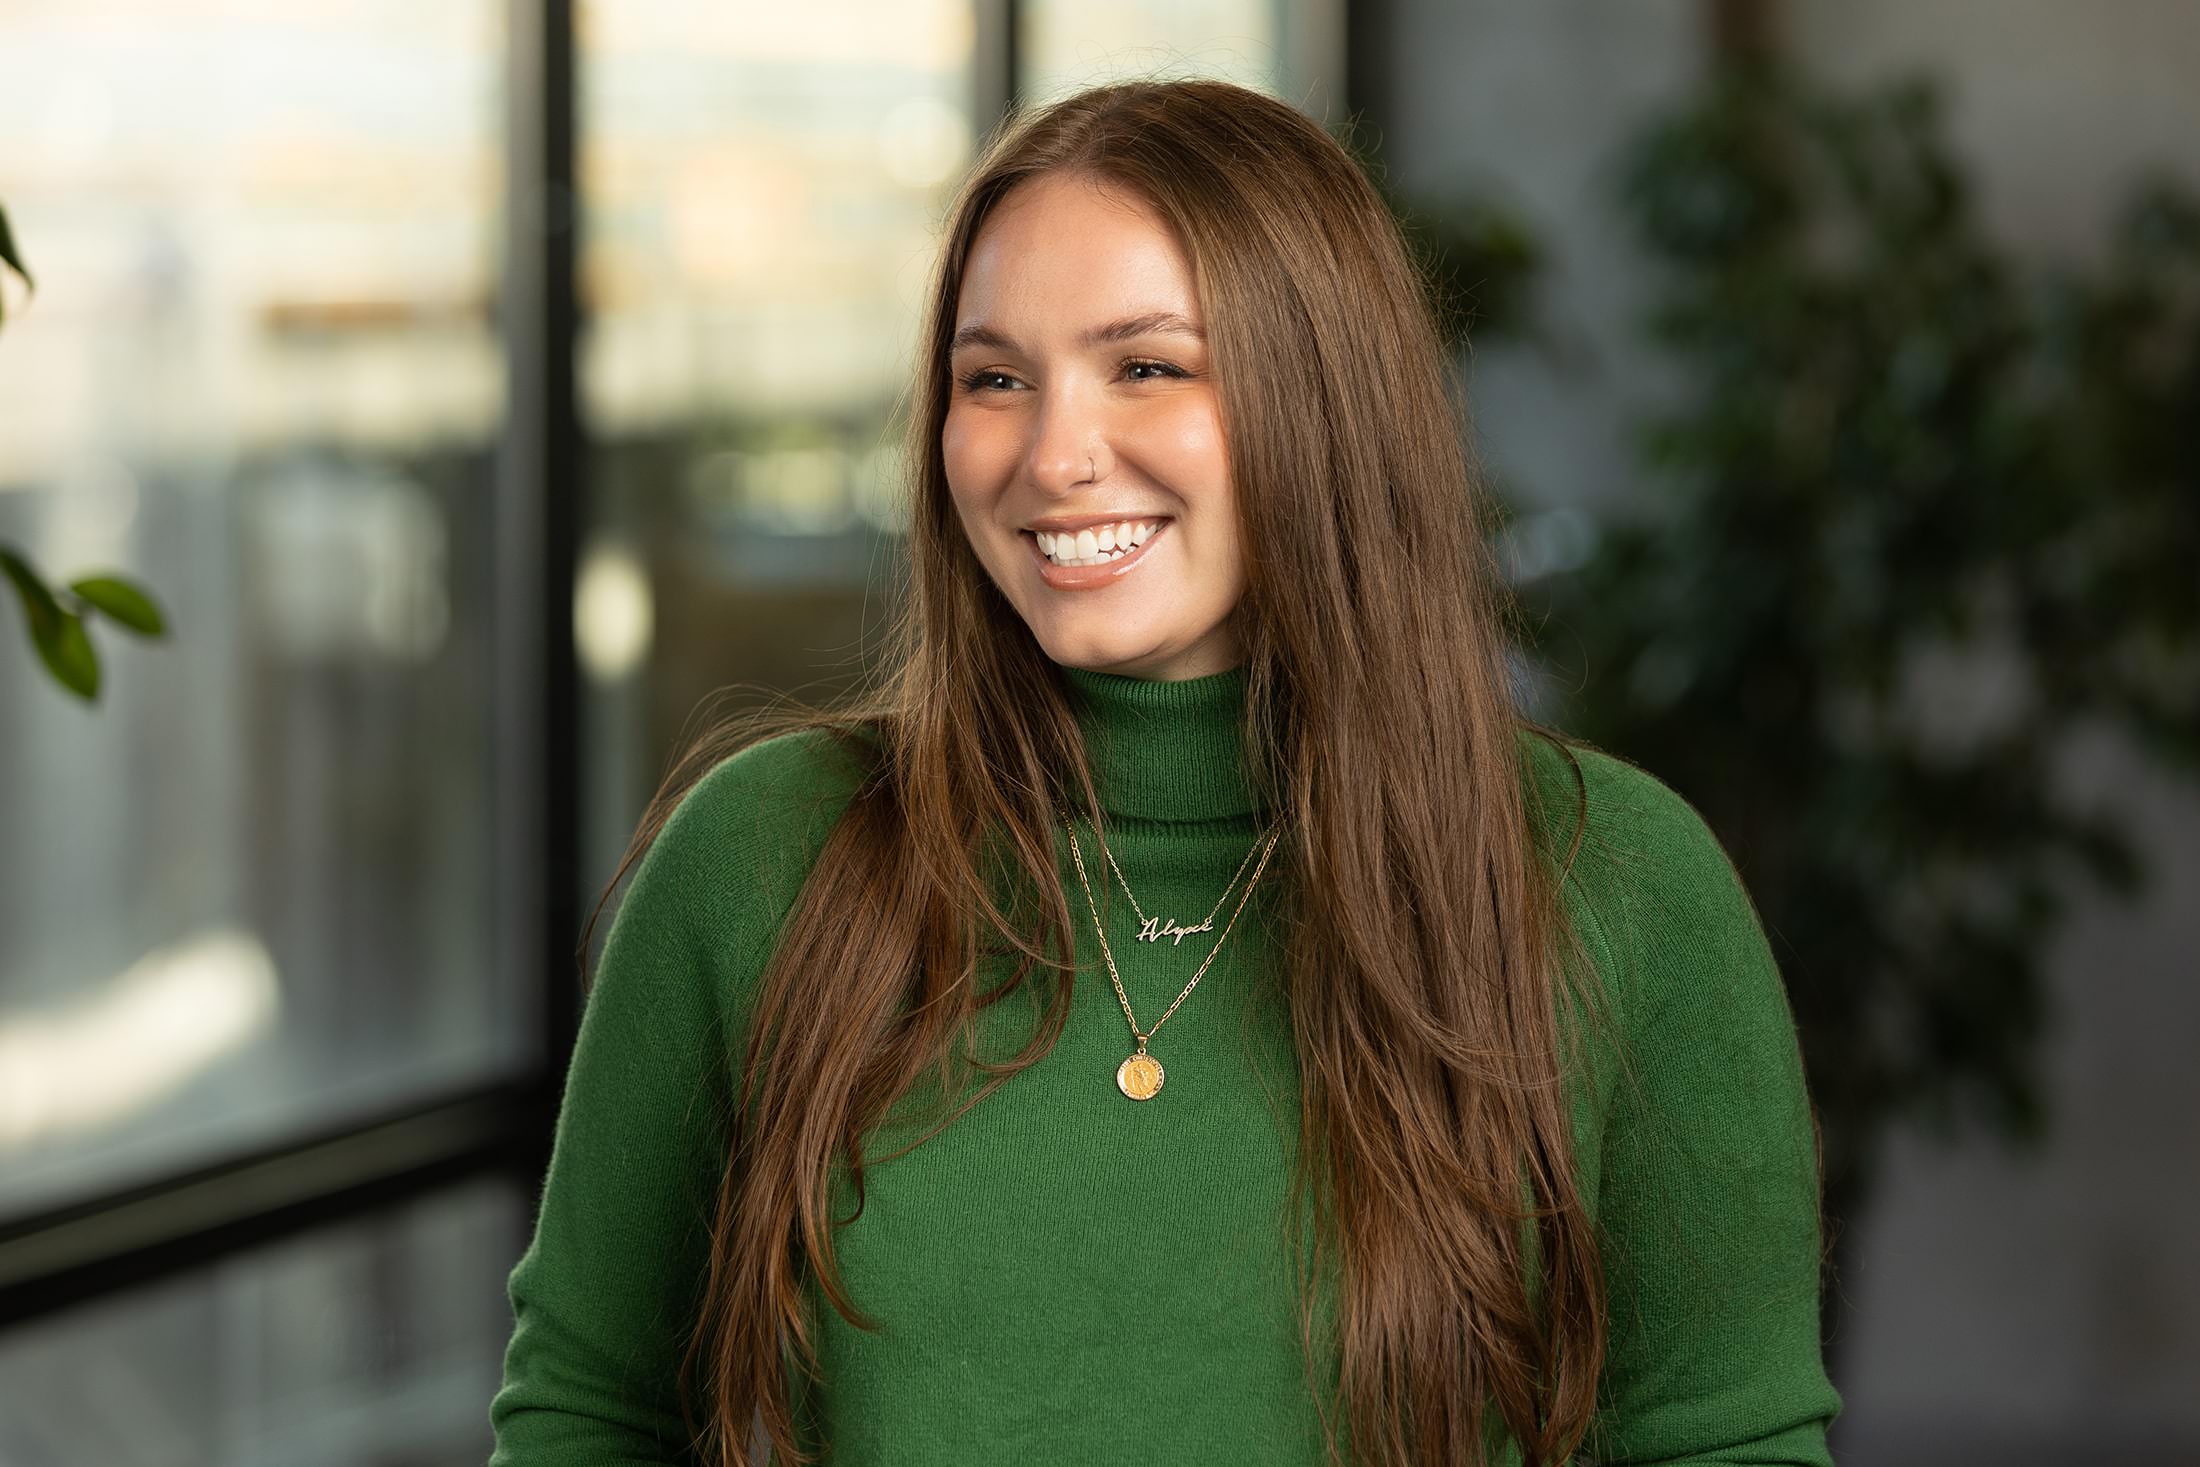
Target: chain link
x=1143, y=919
x=1114, y=978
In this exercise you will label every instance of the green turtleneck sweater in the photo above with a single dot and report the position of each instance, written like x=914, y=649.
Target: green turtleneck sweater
x=1067, y=1276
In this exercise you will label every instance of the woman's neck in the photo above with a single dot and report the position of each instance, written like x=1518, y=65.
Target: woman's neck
x=1165, y=750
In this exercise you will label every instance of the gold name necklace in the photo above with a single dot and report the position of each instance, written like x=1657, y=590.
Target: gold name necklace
x=1153, y=929
x=1140, y=1075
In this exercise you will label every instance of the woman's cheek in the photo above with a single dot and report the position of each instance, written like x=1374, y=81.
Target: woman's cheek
x=954, y=447
x=972, y=450
x=1186, y=431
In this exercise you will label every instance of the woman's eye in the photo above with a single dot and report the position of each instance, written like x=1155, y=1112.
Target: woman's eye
x=981, y=381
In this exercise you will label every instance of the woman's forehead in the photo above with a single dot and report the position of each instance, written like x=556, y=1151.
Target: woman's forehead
x=1081, y=262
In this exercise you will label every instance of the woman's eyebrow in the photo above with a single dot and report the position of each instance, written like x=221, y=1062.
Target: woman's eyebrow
x=1148, y=323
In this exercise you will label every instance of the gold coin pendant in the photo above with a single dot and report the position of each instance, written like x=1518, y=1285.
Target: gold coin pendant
x=1139, y=1077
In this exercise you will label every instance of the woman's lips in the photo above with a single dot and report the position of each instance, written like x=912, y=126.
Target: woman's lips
x=1090, y=577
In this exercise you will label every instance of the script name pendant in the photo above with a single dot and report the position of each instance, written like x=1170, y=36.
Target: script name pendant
x=1157, y=928
x=1139, y=1077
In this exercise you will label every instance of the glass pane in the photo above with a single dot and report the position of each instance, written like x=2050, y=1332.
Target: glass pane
x=762, y=186
x=372, y=1343
x=1070, y=45
x=247, y=892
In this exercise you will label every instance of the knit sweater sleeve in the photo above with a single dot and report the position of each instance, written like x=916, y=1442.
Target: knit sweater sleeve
x=1708, y=1193
x=605, y=1294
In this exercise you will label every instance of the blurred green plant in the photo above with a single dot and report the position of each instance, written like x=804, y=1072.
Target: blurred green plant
x=56, y=616
x=1919, y=520
x=1478, y=258
x=12, y=259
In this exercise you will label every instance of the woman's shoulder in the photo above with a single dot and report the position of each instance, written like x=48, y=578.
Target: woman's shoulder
x=802, y=769
x=1662, y=902
x=1622, y=809
x=755, y=821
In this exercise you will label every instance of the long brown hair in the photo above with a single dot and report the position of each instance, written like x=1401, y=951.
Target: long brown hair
x=1423, y=956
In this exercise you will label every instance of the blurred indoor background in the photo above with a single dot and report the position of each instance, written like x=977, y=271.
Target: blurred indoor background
x=478, y=388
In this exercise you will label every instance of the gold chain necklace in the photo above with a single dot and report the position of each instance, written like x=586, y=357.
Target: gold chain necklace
x=1140, y=1075
x=1153, y=929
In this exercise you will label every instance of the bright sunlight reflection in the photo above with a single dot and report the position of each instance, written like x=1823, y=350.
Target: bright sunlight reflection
x=82, y=1066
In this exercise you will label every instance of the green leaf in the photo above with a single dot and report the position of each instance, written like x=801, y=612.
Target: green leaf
x=70, y=657
x=10, y=256
x=39, y=607
x=122, y=602
x=56, y=632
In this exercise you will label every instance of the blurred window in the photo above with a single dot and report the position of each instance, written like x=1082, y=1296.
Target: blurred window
x=1069, y=44
x=763, y=191
x=359, y=1345
x=248, y=893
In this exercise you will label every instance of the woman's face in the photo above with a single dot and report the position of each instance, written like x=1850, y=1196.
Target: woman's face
x=1051, y=428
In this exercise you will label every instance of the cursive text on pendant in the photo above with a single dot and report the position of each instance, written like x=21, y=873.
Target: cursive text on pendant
x=1157, y=928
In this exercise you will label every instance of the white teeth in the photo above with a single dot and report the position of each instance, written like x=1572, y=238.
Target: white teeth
x=1097, y=545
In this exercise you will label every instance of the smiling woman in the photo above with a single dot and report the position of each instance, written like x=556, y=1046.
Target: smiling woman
x=1471, y=1128
x=1113, y=419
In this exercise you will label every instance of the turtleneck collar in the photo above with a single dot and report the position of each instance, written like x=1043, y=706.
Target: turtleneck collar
x=1165, y=750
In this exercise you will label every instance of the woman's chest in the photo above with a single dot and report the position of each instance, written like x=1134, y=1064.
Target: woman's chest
x=1061, y=1252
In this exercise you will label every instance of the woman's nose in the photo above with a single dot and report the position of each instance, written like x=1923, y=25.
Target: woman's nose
x=1068, y=441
